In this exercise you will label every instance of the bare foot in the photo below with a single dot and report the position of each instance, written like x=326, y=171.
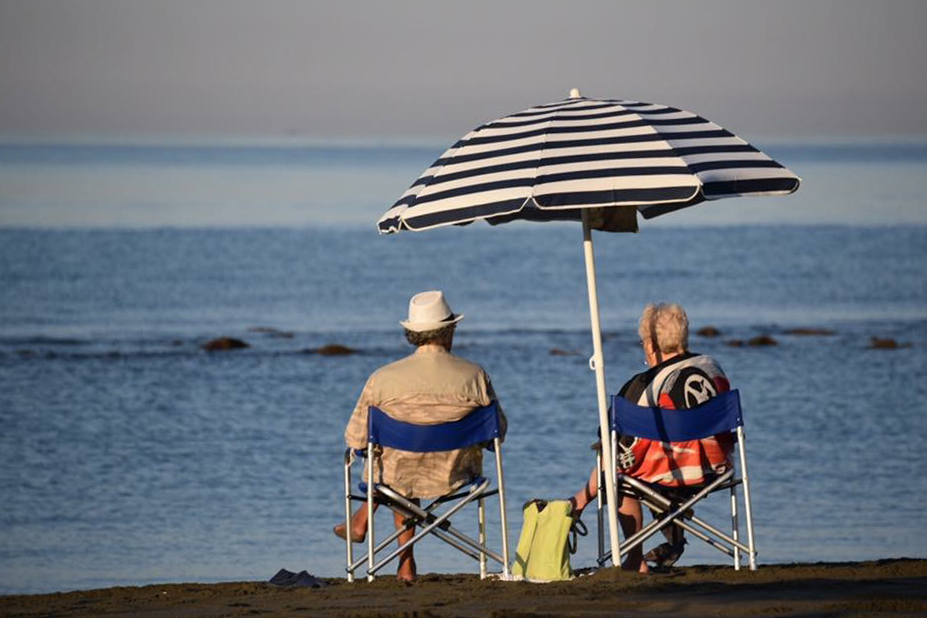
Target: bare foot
x=357, y=537
x=406, y=570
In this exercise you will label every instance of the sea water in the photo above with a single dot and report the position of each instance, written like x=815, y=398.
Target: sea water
x=129, y=455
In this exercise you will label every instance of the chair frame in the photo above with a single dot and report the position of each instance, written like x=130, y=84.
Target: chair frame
x=428, y=518
x=727, y=416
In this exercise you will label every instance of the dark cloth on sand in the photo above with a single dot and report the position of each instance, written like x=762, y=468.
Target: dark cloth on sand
x=302, y=579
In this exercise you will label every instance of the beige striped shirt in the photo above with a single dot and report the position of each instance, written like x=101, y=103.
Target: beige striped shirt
x=428, y=387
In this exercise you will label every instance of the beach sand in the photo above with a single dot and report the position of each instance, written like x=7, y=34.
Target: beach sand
x=896, y=587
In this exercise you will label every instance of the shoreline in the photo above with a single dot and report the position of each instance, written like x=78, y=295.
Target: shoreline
x=889, y=587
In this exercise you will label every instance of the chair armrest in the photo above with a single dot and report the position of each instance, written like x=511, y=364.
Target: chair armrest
x=350, y=454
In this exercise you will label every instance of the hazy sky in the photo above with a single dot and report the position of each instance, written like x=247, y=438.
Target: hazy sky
x=413, y=70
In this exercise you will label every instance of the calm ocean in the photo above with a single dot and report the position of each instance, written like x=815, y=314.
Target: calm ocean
x=128, y=455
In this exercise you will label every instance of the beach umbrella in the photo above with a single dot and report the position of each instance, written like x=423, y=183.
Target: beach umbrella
x=598, y=161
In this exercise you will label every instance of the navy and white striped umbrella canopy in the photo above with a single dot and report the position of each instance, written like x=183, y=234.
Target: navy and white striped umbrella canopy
x=551, y=161
x=600, y=161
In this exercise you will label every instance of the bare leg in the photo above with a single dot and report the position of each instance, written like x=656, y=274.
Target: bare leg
x=406, y=569
x=632, y=519
x=674, y=534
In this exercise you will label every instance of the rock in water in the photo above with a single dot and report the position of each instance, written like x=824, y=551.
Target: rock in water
x=334, y=349
x=878, y=343
x=224, y=343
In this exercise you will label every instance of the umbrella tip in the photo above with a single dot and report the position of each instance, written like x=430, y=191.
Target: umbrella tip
x=575, y=93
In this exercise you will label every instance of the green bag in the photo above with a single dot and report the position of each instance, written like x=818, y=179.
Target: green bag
x=544, y=547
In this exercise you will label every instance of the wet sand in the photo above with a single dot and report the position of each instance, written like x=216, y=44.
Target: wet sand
x=896, y=587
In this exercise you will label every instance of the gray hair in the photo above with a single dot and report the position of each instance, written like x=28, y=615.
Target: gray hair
x=441, y=336
x=667, y=325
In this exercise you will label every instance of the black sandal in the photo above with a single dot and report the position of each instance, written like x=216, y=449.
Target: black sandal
x=665, y=555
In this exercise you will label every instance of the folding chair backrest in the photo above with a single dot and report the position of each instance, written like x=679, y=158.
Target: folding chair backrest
x=718, y=415
x=478, y=427
x=482, y=427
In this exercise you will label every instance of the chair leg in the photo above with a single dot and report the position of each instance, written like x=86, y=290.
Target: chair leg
x=751, y=543
x=347, y=514
x=599, y=511
x=735, y=527
x=500, y=483
x=482, y=522
x=371, y=487
x=612, y=468
x=748, y=508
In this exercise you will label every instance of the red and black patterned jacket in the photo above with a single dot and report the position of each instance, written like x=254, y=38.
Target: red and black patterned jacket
x=682, y=382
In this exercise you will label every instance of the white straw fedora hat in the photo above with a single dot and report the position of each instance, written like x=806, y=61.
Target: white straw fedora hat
x=429, y=311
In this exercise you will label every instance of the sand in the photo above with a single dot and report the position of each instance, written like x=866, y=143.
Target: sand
x=896, y=587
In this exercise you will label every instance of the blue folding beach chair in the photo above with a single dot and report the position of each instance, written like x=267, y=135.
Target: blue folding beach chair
x=719, y=415
x=480, y=427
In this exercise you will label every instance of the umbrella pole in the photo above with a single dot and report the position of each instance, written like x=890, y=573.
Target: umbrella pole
x=597, y=364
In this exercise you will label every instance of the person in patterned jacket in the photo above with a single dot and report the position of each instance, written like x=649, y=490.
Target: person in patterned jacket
x=676, y=379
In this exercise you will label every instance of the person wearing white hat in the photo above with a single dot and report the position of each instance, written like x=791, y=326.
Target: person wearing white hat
x=429, y=386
